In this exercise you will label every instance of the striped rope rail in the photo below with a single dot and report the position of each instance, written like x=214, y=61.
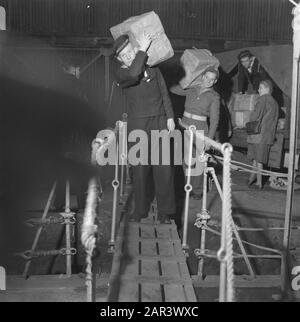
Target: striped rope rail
x=89, y=233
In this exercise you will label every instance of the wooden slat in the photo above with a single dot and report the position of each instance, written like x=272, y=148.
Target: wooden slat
x=166, y=249
x=170, y=268
x=149, y=264
x=161, y=240
x=190, y=293
x=129, y=292
x=130, y=268
x=131, y=248
x=184, y=272
x=150, y=268
x=155, y=280
x=174, y=293
x=151, y=292
x=147, y=231
x=181, y=260
x=167, y=231
x=149, y=248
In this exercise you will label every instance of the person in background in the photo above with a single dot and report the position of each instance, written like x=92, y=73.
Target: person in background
x=149, y=108
x=259, y=144
x=201, y=103
x=250, y=73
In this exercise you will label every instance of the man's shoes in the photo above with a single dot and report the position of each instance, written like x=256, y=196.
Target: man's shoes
x=256, y=187
x=251, y=181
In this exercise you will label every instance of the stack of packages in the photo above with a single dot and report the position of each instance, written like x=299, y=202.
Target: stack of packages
x=194, y=62
x=241, y=107
x=160, y=48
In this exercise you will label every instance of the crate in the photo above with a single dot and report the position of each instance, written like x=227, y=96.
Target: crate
x=244, y=102
x=194, y=62
x=160, y=48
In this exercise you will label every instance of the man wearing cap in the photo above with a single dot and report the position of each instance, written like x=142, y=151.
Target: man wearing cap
x=149, y=108
x=201, y=103
x=250, y=73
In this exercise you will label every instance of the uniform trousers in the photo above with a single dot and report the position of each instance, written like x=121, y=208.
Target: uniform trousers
x=151, y=181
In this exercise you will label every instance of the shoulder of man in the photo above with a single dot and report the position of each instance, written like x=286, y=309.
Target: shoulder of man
x=271, y=100
x=213, y=93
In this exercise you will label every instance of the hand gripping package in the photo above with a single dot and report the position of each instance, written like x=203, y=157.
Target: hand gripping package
x=160, y=48
x=194, y=62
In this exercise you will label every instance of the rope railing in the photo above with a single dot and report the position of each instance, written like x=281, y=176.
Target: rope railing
x=104, y=140
x=201, y=136
x=240, y=166
x=225, y=253
x=89, y=233
x=229, y=230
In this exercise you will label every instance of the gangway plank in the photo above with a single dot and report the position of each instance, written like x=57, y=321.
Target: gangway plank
x=149, y=264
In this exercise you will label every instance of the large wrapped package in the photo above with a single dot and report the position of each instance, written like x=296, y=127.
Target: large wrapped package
x=160, y=48
x=194, y=62
x=244, y=102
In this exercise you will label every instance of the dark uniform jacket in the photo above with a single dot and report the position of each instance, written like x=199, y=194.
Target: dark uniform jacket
x=146, y=96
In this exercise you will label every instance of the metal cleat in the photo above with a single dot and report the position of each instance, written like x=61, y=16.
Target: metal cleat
x=202, y=218
x=111, y=247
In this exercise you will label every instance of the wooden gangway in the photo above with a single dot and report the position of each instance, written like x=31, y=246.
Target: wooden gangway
x=149, y=264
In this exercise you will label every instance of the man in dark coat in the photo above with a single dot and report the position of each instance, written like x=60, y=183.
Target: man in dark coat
x=250, y=73
x=149, y=108
x=266, y=109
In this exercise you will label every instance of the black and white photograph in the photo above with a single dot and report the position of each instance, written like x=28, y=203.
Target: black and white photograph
x=149, y=153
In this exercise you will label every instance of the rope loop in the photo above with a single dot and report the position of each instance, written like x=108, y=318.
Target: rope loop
x=188, y=187
x=226, y=146
x=115, y=183
x=221, y=255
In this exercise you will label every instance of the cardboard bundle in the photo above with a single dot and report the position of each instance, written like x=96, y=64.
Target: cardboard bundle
x=160, y=48
x=244, y=102
x=194, y=62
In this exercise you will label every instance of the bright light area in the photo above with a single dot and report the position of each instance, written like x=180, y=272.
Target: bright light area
x=2, y=18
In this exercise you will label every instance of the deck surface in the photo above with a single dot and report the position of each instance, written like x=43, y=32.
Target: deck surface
x=149, y=264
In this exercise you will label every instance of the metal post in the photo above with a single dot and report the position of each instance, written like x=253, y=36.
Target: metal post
x=115, y=184
x=123, y=155
x=203, y=211
x=293, y=144
x=188, y=187
x=107, y=87
x=39, y=230
x=68, y=233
